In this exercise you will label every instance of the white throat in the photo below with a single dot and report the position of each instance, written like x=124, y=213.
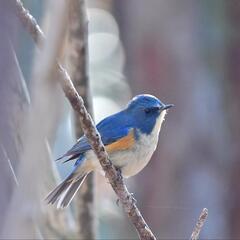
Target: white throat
x=158, y=123
x=143, y=150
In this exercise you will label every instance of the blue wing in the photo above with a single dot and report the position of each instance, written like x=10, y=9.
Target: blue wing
x=111, y=129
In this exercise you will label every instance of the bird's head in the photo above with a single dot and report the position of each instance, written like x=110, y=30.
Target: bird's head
x=147, y=111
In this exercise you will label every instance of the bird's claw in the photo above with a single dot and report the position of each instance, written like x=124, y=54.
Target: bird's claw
x=119, y=173
x=131, y=197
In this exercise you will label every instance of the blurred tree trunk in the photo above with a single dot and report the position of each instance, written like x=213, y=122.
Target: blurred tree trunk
x=26, y=217
x=232, y=93
x=169, y=60
x=14, y=98
x=77, y=61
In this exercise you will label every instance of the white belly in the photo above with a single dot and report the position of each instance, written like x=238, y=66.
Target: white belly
x=135, y=159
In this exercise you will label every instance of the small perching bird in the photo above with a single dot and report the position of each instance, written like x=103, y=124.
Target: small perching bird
x=130, y=137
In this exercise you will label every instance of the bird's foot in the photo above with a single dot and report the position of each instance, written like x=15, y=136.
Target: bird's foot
x=132, y=198
x=119, y=174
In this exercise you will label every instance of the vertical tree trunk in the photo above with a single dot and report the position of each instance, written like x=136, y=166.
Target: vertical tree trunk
x=77, y=62
x=14, y=99
x=232, y=93
x=24, y=217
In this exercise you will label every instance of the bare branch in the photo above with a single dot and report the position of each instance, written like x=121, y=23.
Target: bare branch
x=30, y=23
x=199, y=225
x=91, y=133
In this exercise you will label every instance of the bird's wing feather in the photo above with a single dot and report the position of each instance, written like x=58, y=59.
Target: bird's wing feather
x=116, y=132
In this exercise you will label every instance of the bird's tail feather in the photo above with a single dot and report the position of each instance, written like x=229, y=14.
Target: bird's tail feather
x=65, y=191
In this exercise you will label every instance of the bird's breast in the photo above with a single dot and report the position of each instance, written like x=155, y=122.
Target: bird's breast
x=137, y=158
x=132, y=160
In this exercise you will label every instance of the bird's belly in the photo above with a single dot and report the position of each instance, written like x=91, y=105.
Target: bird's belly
x=130, y=161
x=134, y=160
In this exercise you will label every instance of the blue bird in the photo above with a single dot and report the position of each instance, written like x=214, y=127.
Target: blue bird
x=130, y=137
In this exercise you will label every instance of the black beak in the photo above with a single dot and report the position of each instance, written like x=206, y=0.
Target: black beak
x=167, y=106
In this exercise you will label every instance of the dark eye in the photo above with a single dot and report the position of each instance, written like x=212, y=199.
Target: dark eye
x=147, y=110
x=151, y=110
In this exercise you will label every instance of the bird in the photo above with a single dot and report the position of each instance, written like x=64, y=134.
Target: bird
x=130, y=138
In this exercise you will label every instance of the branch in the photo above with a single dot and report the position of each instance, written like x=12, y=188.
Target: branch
x=91, y=132
x=199, y=225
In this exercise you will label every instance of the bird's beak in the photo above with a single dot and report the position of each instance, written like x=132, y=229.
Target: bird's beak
x=167, y=106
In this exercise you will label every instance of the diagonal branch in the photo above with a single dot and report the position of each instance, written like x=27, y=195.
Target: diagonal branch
x=90, y=131
x=199, y=225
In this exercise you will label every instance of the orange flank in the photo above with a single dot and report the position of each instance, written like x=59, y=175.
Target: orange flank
x=122, y=144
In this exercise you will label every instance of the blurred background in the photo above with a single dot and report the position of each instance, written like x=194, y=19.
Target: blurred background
x=184, y=52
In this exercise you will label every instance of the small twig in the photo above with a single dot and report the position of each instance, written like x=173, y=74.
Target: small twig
x=199, y=225
x=30, y=23
x=10, y=165
x=91, y=132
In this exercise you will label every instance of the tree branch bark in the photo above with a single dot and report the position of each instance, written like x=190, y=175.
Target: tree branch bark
x=199, y=225
x=91, y=132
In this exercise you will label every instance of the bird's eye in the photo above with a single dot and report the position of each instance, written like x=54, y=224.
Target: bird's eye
x=152, y=110
x=147, y=110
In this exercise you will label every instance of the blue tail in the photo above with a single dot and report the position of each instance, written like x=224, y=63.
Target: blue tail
x=65, y=191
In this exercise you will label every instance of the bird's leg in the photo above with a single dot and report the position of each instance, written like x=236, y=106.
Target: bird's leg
x=131, y=196
x=119, y=173
x=120, y=177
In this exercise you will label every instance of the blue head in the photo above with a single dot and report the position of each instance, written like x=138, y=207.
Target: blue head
x=146, y=111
